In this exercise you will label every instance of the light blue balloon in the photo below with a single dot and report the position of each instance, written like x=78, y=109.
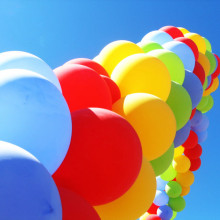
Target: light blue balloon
x=193, y=86
x=34, y=115
x=209, y=78
x=203, y=125
x=197, y=118
x=202, y=136
x=27, y=190
x=165, y=212
x=159, y=37
x=161, y=198
x=182, y=134
x=184, y=52
x=161, y=183
x=23, y=60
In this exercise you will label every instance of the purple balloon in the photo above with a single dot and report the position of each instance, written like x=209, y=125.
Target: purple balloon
x=193, y=86
x=202, y=136
x=203, y=125
x=165, y=212
x=197, y=118
x=182, y=134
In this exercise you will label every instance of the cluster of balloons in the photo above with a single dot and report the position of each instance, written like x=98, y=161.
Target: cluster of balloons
x=116, y=137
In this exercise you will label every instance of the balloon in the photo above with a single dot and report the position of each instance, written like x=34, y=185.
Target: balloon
x=202, y=103
x=210, y=80
x=173, y=63
x=199, y=72
x=141, y=73
x=148, y=46
x=205, y=84
x=184, y=52
x=217, y=71
x=193, y=86
x=35, y=116
x=178, y=151
x=177, y=204
x=215, y=84
x=204, y=61
x=153, y=209
x=197, y=119
x=193, y=113
x=169, y=174
x=191, y=141
x=114, y=90
x=115, y=52
x=212, y=61
x=144, y=216
x=159, y=37
x=181, y=164
x=202, y=136
x=161, y=198
x=209, y=105
x=110, y=155
x=135, y=201
x=191, y=44
x=165, y=212
x=174, y=32
x=174, y=215
x=82, y=87
x=27, y=61
x=185, y=179
x=151, y=118
x=203, y=125
x=161, y=183
x=173, y=189
x=27, y=190
x=153, y=217
x=195, y=164
x=198, y=40
x=183, y=30
x=208, y=45
x=182, y=134
x=180, y=103
x=193, y=153
x=89, y=63
x=163, y=162
x=76, y=207
x=185, y=190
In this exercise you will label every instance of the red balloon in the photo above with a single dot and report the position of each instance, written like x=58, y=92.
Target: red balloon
x=82, y=87
x=193, y=113
x=174, y=32
x=104, y=157
x=191, y=44
x=193, y=153
x=217, y=71
x=199, y=72
x=153, y=209
x=153, y=217
x=191, y=141
x=89, y=63
x=76, y=207
x=195, y=164
x=115, y=91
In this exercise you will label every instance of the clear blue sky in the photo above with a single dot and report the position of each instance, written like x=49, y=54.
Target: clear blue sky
x=59, y=30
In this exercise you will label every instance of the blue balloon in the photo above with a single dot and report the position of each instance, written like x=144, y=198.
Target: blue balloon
x=161, y=198
x=27, y=189
x=202, y=136
x=161, y=183
x=159, y=37
x=203, y=125
x=184, y=52
x=197, y=118
x=35, y=116
x=193, y=86
x=182, y=134
x=165, y=212
x=209, y=78
x=23, y=60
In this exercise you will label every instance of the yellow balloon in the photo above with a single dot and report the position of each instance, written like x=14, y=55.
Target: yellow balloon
x=204, y=61
x=115, y=52
x=181, y=164
x=214, y=85
x=136, y=201
x=178, y=151
x=152, y=119
x=185, y=191
x=141, y=73
x=144, y=216
x=183, y=30
x=207, y=92
x=198, y=40
x=185, y=179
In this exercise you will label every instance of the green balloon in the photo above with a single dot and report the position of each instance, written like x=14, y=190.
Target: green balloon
x=202, y=103
x=148, y=46
x=208, y=44
x=209, y=104
x=205, y=84
x=174, y=215
x=212, y=61
x=177, y=204
x=169, y=174
x=173, y=63
x=162, y=163
x=173, y=189
x=180, y=103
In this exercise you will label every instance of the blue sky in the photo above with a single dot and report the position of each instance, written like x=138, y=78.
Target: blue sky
x=59, y=30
